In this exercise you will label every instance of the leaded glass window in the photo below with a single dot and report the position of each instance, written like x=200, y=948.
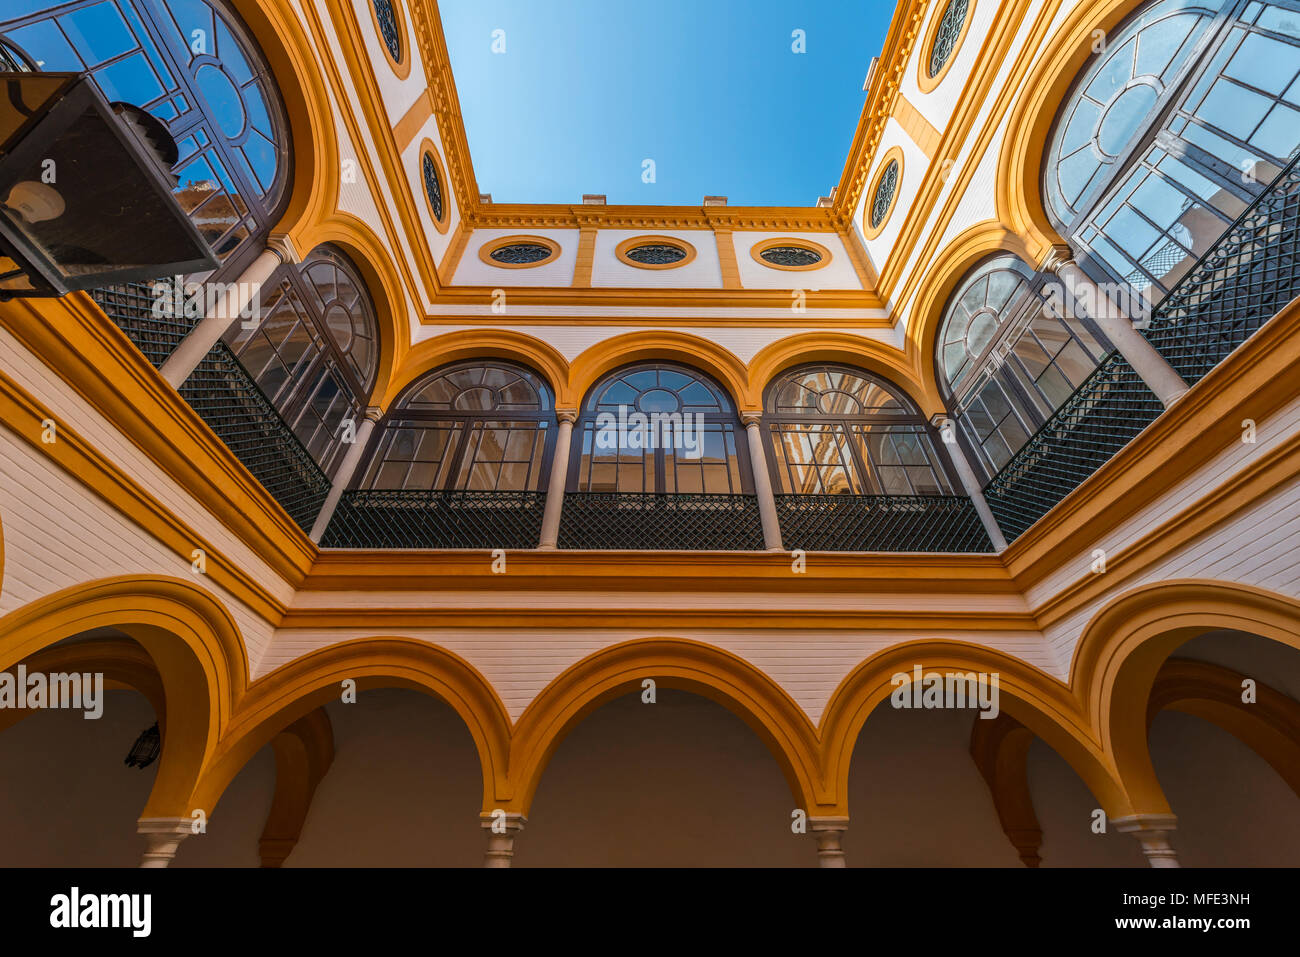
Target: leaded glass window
x=386, y=17
x=949, y=32
x=477, y=425
x=1191, y=110
x=834, y=430
x=656, y=254
x=884, y=196
x=312, y=349
x=521, y=254
x=793, y=256
x=432, y=186
x=194, y=66
x=658, y=427
x=1010, y=356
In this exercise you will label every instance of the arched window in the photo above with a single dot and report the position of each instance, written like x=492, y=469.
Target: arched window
x=1008, y=357
x=835, y=430
x=193, y=65
x=313, y=350
x=476, y=425
x=658, y=427
x=1189, y=112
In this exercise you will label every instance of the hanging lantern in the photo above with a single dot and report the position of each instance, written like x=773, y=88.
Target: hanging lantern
x=146, y=748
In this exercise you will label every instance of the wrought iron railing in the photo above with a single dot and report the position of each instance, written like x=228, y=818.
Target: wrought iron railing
x=881, y=523
x=661, y=521
x=1237, y=286
x=229, y=401
x=410, y=518
x=1111, y=407
x=134, y=309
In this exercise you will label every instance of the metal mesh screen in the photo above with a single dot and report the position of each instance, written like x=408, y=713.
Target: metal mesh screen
x=413, y=518
x=228, y=400
x=131, y=307
x=881, y=523
x=661, y=521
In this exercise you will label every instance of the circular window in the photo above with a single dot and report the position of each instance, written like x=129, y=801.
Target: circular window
x=519, y=252
x=655, y=252
x=883, y=193
x=391, y=27
x=434, y=180
x=943, y=39
x=795, y=254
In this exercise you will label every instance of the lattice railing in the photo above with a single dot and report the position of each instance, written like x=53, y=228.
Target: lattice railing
x=131, y=307
x=1111, y=407
x=661, y=522
x=226, y=398
x=1236, y=287
x=412, y=518
x=881, y=523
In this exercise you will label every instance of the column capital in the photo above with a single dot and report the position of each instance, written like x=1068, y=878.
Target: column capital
x=374, y=413
x=1057, y=257
x=567, y=415
x=501, y=832
x=751, y=418
x=163, y=835
x=828, y=831
x=283, y=246
x=1152, y=832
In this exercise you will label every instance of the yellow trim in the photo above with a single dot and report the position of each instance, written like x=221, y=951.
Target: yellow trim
x=454, y=252
x=486, y=249
x=622, y=249
x=892, y=155
x=924, y=81
x=427, y=148
x=726, y=243
x=412, y=121
x=757, y=250
x=586, y=257
x=917, y=127
x=402, y=67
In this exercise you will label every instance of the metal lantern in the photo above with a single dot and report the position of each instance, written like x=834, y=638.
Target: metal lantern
x=145, y=750
x=85, y=191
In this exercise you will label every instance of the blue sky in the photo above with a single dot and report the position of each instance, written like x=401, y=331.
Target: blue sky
x=711, y=90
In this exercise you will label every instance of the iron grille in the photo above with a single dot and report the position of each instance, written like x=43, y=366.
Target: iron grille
x=661, y=521
x=419, y=518
x=227, y=399
x=1236, y=287
x=1102, y=416
x=131, y=308
x=881, y=523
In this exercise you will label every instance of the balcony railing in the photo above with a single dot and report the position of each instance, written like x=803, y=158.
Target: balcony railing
x=661, y=521
x=881, y=523
x=1244, y=279
x=227, y=399
x=383, y=518
x=131, y=307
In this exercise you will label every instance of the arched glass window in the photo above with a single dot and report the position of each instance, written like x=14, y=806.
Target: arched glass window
x=1009, y=357
x=192, y=64
x=1189, y=112
x=476, y=425
x=313, y=350
x=658, y=427
x=835, y=430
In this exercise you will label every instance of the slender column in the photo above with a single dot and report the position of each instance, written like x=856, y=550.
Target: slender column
x=1158, y=374
x=762, y=481
x=947, y=426
x=501, y=832
x=829, y=831
x=559, y=480
x=347, y=469
x=238, y=294
x=1152, y=832
x=162, y=835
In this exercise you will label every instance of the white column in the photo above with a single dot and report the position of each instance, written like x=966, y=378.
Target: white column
x=947, y=426
x=347, y=469
x=762, y=481
x=828, y=831
x=1158, y=374
x=559, y=480
x=501, y=832
x=238, y=294
x=162, y=835
x=1152, y=832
